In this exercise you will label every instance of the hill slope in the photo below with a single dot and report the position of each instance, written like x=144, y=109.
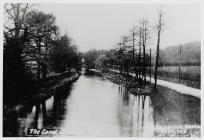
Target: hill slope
x=190, y=54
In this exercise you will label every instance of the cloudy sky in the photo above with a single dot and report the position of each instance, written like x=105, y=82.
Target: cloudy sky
x=101, y=26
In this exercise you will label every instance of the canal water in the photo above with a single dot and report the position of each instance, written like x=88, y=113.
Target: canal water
x=94, y=106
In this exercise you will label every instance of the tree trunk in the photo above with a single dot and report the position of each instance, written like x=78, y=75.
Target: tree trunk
x=38, y=67
x=44, y=71
x=159, y=29
x=157, y=59
x=144, y=61
x=139, y=57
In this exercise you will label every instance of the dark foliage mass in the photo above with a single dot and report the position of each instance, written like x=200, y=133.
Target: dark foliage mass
x=33, y=50
x=64, y=55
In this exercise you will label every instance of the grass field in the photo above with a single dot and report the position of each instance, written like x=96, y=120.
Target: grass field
x=195, y=70
x=190, y=75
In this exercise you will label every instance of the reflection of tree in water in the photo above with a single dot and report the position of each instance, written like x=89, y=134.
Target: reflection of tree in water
x=124, y=112
x=140, y=113
x=14, y=122
x=44, y=112
x=52, y=118
x=131, y=112
x=38, y=111
x=38, y=116
x=126, y=97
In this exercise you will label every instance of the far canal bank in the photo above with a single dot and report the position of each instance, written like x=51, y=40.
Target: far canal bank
x=50, y=86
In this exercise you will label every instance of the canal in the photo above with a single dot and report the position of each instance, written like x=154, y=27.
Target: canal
x=94, y=106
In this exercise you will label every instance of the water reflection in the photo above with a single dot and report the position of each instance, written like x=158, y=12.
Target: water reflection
x=93, y=106
x=135, y=114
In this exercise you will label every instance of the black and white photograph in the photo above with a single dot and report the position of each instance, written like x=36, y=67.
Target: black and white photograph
x=101, y=69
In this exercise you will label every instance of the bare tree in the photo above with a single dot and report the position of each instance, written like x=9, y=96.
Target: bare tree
x=133, y=32
x=16, y=15
x=125, y=59
x=139, y=52
x=144, y=41
x=119, y=56
x=159, y=29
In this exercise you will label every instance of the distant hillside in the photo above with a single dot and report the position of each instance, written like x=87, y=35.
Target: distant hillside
x=190, y=54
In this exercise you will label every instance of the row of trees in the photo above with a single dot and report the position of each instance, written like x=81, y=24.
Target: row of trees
x=132, y=51
x=33, y=49
x=131, y=55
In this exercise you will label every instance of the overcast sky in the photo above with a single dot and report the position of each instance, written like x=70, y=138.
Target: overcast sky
x=100, y=26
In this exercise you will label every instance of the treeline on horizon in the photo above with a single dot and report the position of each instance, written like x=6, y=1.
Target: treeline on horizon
x=168, y=56
x=33, y=49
